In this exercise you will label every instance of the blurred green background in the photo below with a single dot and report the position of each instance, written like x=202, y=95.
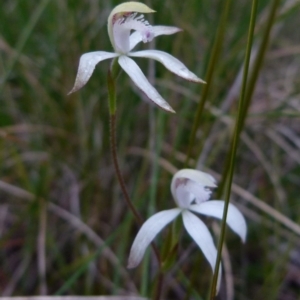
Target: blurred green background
x=64, y=227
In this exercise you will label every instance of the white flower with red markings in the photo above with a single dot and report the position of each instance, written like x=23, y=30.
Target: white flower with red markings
x=126, y=28
x=191, y=190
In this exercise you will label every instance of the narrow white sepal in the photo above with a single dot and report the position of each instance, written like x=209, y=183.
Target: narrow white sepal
x=214, y=208
x=87, y=65
x=202, y=237
x=148, y=232
x=137, y=76
x=136, y=36
x=170, y=62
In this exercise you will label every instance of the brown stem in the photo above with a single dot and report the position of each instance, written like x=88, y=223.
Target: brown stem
x=117, y=168
x=159, y=285
x=121, y=180
x=136, y=214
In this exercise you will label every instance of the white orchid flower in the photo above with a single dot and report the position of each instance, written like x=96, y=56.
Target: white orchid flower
x=191, y=190
x=121, y=22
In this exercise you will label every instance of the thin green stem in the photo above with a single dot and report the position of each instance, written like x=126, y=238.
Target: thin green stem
x=111, y=88
x=248, y=92
x=260, y=56
x=215, y=53
x=238, y=126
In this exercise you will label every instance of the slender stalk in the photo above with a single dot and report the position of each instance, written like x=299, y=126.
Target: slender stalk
x=159, y=285
x=41, y=247
x=215, y=52
x=251, y=86
x=113, y=148
x=237, y=132
x=261, y=55
x=128, y=201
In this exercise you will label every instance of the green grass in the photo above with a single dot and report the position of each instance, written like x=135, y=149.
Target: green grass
x=60, y=202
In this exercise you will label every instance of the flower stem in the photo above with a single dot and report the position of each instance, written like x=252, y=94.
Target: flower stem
x=159, y=285
x=129, y=203
x=113, y=147
x=111, y=75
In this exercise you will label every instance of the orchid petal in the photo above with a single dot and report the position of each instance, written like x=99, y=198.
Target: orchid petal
x=204, y=179
x=170, y=62
x=87, y=64
x=202, y=237
x=136, y=36
x=137, y=76
x=122, y=9
x=214, y=208
x=124, y=25
x=200, y=192
x=183, y=197
x=148, y=232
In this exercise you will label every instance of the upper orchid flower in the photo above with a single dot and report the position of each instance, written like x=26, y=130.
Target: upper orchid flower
x=191, y=192
x=121, y=22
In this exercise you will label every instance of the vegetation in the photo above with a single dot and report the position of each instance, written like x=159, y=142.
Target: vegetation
x=65, y=228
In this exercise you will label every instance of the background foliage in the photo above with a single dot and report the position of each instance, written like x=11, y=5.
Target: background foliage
x=64, y=227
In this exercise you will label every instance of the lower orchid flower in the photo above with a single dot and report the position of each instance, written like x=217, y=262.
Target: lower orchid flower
x=191, y=190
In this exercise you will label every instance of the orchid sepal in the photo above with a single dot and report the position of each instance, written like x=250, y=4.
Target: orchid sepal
x=170, y=62
x=137, y=76
x=191, y=191
x=215, y=208
x=147, y=233
x=126, y=29
x=87, y=64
